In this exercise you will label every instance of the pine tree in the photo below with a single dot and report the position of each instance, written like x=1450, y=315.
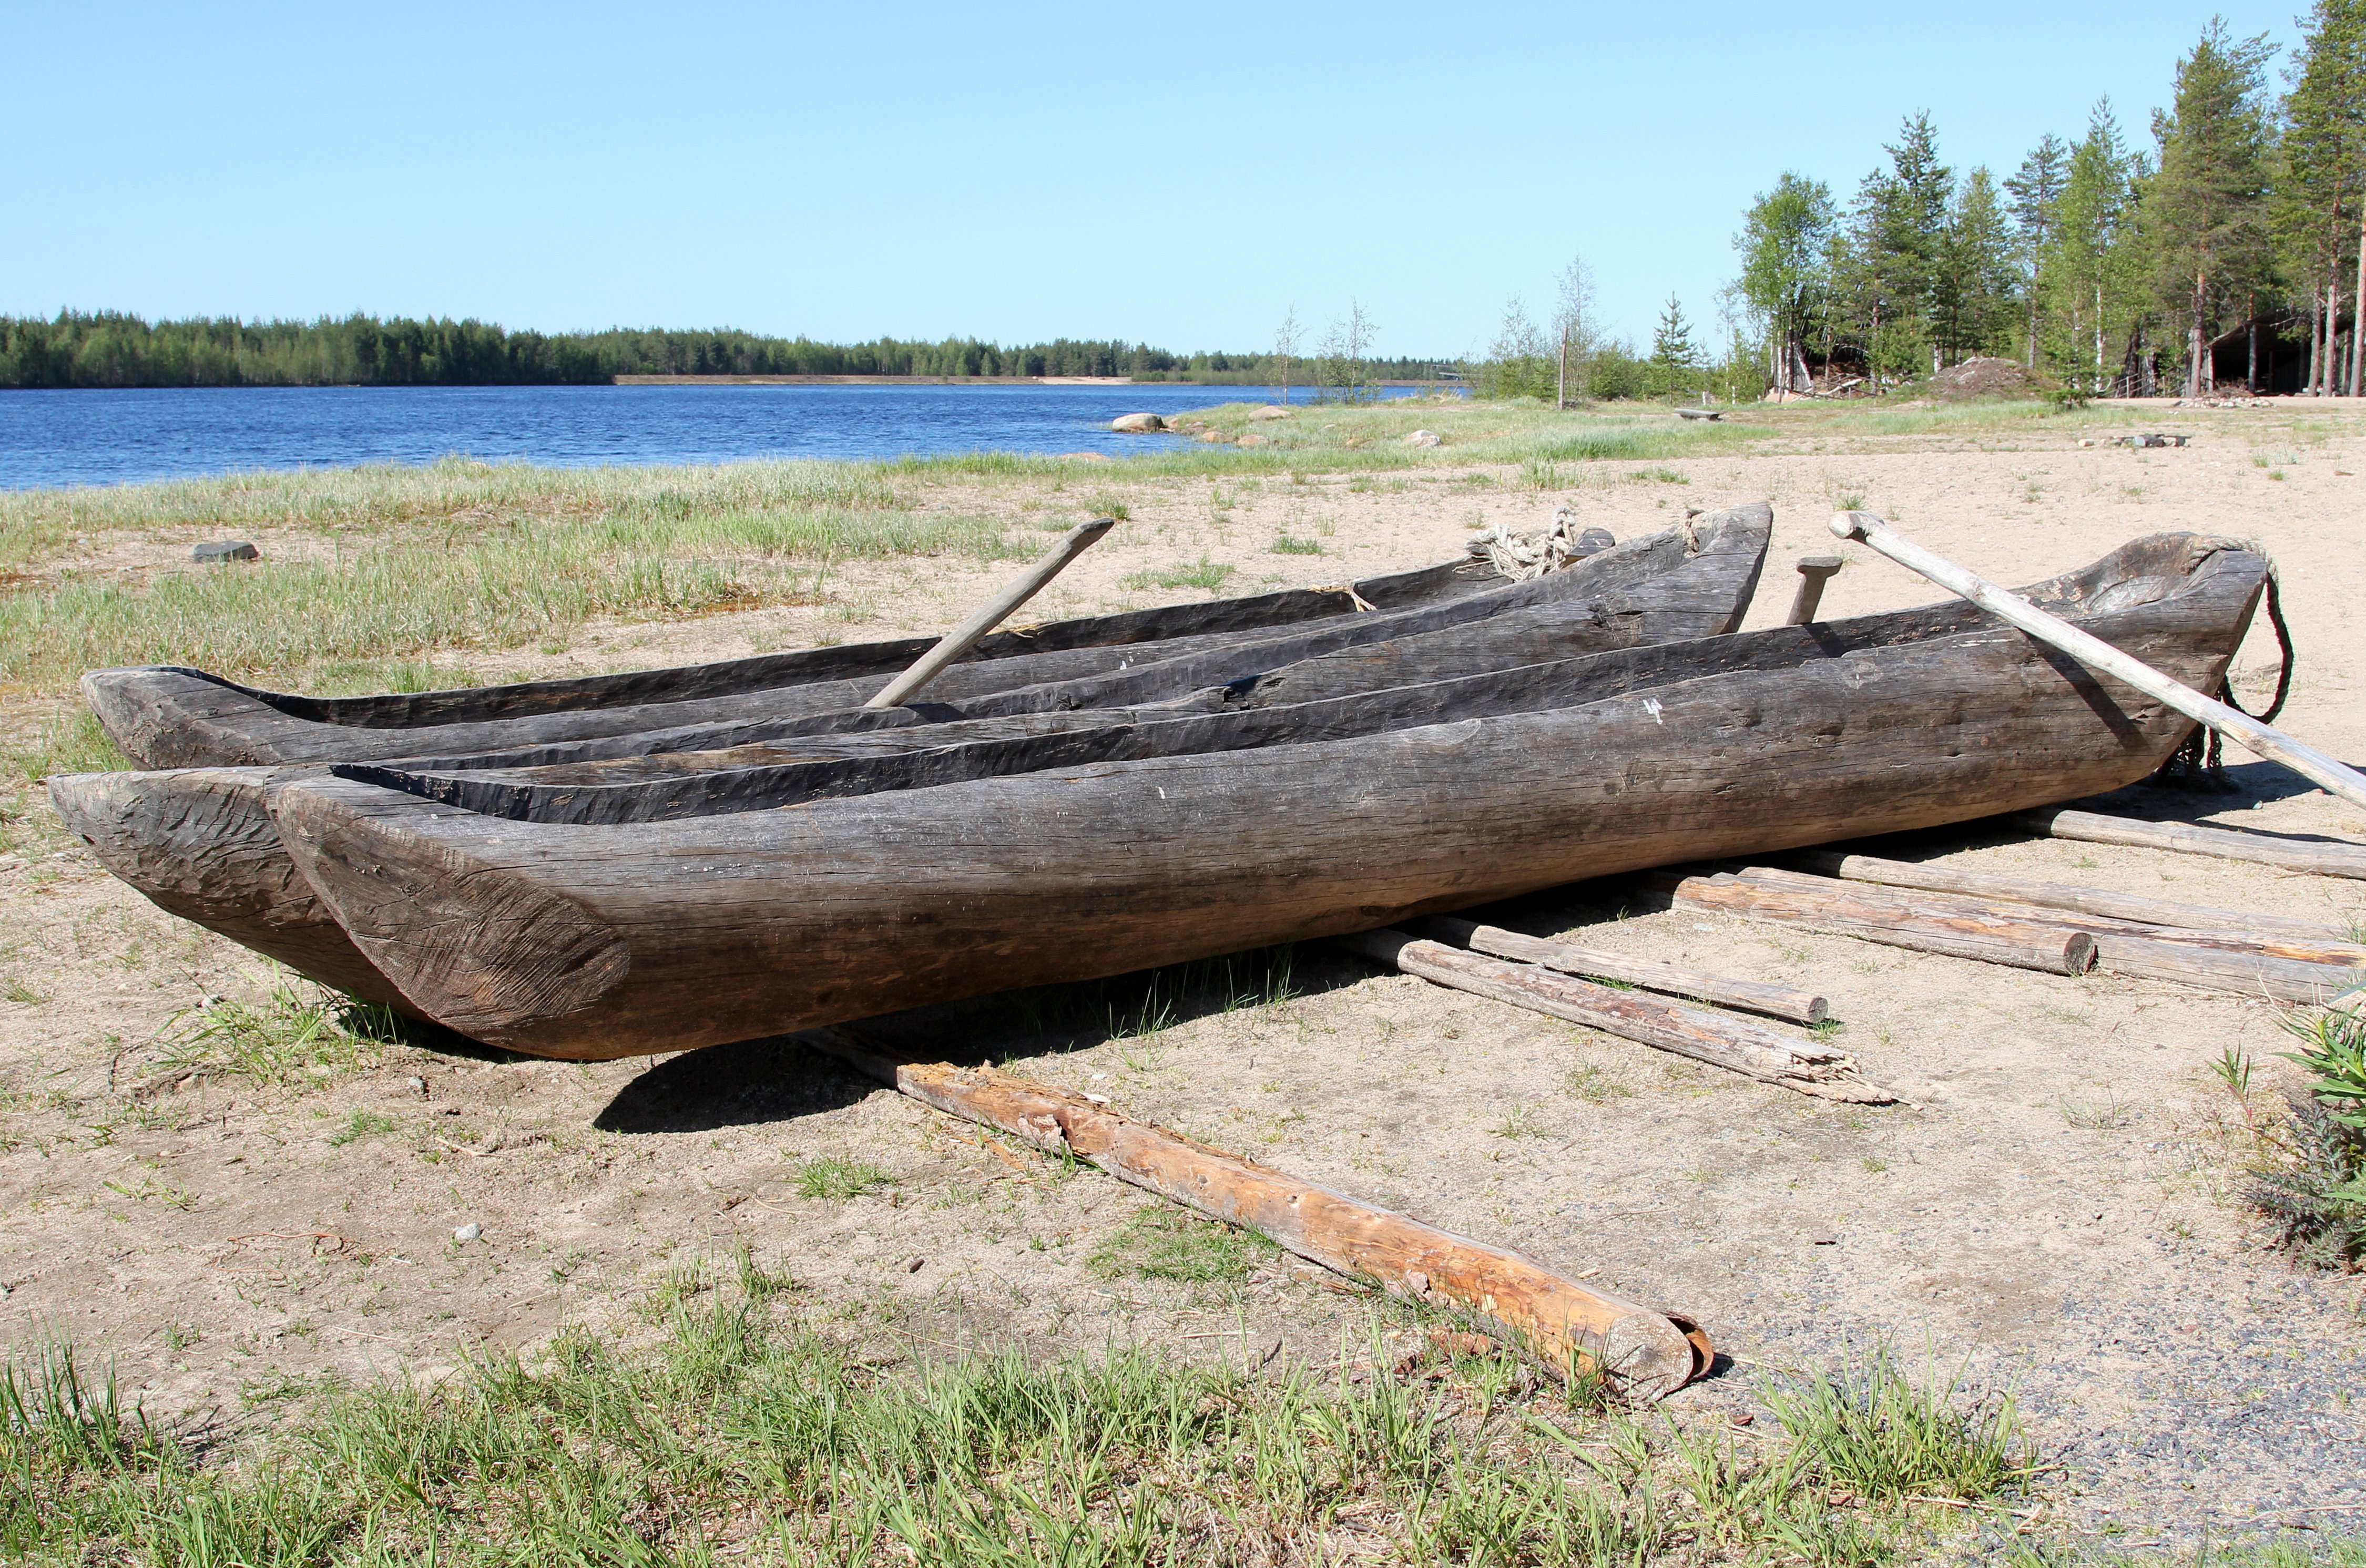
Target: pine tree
x=2087, y=274
x=1901, y=221
x=2036, y=190
x=2205, y=212
x=1675, y=358
x=2321, y=183
x=1976, y=283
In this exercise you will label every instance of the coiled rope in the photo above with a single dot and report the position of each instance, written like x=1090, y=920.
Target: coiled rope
x=2198, y=758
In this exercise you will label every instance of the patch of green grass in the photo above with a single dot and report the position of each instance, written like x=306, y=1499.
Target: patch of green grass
x=362, y=1124
x=23, y=994
x=72, y=743
x=298, y=1034
x=1867, y=1427
x=1284, y=544
x=1656, y=477
x=1595, y=1085
x=1164, y=1243
x=1200, y=573
x=1102, y=504
x=839, y=1177
x=1522, y=1122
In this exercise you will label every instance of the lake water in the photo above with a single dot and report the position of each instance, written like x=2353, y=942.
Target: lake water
x=109, y=438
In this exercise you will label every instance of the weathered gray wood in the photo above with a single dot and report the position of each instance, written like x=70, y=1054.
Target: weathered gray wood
x=1733, y=1044
x=2208, y=969
x=1592, y=963
x=165, y=716
x=1848, y=911
x=2103, y=928
x=588, y=941
x=2264, y=740
x=2324, y=858
x=1815, y=571
x=641, y=783
x=1647, y=1354
x=992, y=613
x=2064, y=896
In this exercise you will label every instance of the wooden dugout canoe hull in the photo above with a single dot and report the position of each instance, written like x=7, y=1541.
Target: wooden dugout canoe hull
x=199, y=843
x=591, y=942
x=166, y=716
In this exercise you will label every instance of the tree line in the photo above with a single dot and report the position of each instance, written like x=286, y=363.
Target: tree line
x=104, y=349
x=2228, y=249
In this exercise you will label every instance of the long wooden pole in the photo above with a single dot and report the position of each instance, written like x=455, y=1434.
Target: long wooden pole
x=2265, y=740
x=1647, y=1354
x=962, y=638
x=1592, y=963
x=2293, y=855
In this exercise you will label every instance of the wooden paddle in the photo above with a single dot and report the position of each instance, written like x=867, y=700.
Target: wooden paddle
x=2265, y=740
x=962, y=638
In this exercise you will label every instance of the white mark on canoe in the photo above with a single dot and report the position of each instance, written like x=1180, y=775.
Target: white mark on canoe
x=1652, y=706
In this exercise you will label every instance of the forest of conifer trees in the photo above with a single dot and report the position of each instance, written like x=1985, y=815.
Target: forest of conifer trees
x=2224, y=257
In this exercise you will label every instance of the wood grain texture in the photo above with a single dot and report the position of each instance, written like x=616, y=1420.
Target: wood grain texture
x=730, y=926
x=2324, y=858
x=1773, y=1001
x=650, y=785
x=1851, y=910
x=1646, y=1353
x=1734, y=1044
x=2062, y=895
x=166, y=716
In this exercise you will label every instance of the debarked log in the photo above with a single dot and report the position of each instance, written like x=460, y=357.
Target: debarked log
x=2280, y=968
x=1862, y=913
x=1592, y=963
x=2327, y=858
x=1734, y=1044
x=2104, y=901
x=1647, y=1354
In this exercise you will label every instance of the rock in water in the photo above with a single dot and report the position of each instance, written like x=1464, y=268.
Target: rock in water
x=1137, y=424
x=226, y=550
x=1422, y=437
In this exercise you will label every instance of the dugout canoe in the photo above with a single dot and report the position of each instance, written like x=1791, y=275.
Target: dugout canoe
x=610, y=938
x=199, y=844
x=168, y=716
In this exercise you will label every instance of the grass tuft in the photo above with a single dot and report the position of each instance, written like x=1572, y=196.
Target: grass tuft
x=839, y=1177
x=1164, y=1243
x=1869, y=1429
x=1200, y=573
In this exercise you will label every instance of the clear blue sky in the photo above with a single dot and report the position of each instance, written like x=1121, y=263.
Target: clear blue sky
x=1172, y=174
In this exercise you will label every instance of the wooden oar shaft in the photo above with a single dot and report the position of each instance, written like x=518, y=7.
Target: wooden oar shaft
x=2265, y=740
x=1647, y=1353
x=964, y=637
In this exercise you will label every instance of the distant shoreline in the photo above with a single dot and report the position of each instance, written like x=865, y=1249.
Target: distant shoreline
x=948, y=381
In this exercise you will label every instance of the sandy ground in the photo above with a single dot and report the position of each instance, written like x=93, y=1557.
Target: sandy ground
x=2054, y=1209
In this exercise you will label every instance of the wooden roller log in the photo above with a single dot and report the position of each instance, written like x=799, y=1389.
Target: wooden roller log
x=1734, y=1044
x=2280, y=968
x=1773, y=1001
x=2326, y=859
x=2105, y=929
x=2062, y=895
x=2020, y=944
x=1647, y=1354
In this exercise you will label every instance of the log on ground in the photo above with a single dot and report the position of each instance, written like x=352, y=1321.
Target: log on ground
x=1591, y=963
x=2326, y=858
x=1861, y=913
x=1647, y=1354
x=1735, y=1044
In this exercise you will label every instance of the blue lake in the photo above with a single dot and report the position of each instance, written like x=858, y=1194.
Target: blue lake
x=110, y=438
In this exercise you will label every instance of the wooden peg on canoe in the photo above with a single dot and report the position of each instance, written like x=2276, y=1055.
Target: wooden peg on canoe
x=962, y=638
x=1815, y=571
x=2264, y=740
